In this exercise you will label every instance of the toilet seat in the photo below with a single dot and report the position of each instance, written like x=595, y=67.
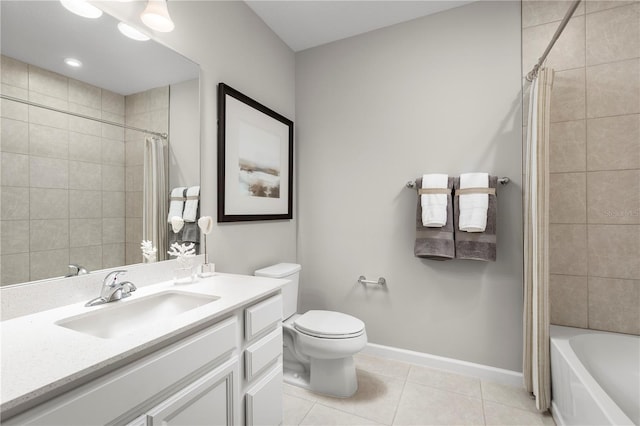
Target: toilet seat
x=329, y=325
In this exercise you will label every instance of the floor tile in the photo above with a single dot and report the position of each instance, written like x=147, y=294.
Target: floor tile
x=445, y=380
x=382, y=366
x=424, y=405
x=298, y=392
x=498, y=414
x=376, y=399
x=321, y=415
x=294, y=409
x=508, y=395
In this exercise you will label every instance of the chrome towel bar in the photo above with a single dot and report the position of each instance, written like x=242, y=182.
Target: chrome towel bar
x=363, y=280
x=503, y=181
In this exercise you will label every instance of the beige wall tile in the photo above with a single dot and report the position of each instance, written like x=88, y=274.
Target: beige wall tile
x=48, y=172
x=87, y=176
x=159, y=121
x=132, y=254
x=14, y=236
x=14, y=72
x=134, y=178
x=49, y=234
x=567, y=53
x=568, y=96
x=568, y=300
x=614, y=251
x=613, y=35
x=88, y=257
x=115, y=118
x=613, y=89
x=112, y=255
x=112, y=132
x=13, y=110
x=133, y=233
x=567, y=146
x=86, y=126
x=113, y=204
x=45, y=141
x=87, y=111
x=49, y=203
x=14, y=203
x=85, y=204
x=613, y=142
x=112, y=102
x=566, y=249
x=85, y=94
x=113, y=178
x=14, y=136
x=85, y=232
x=112, y=152
x=614, y=305
x=614, y=197
x=49, y=101
x=568, y=198
x=85, y=147
x=113, y=230
x=134, y=153
x=536, y=12
x=598, y=5
x=48, y=118
x=136, y=103
x=48, y=83
x=15, y=268
x=50, y=263
x=134, y=204
x=15, y=169
x=16, y=92
x=158, y=98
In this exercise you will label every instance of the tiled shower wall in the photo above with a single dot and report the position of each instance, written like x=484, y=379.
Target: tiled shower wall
x=594, y=160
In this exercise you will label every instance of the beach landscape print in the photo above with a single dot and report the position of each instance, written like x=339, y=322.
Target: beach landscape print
x=258, y=162
x=255, y=160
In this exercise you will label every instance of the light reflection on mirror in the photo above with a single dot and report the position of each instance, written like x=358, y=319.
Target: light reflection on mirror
x=71, y=187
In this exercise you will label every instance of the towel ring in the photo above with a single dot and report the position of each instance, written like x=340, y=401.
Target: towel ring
x=503, y=181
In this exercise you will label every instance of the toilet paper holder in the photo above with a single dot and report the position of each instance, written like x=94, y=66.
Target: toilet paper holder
x=363, y=280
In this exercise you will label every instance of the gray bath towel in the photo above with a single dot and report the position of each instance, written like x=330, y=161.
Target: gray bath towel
x=435, y=243
x=477, y=245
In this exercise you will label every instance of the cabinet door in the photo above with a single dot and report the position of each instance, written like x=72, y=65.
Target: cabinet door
x=207, y=401
x=264, y=400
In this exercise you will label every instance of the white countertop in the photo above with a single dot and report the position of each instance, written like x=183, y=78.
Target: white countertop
x=41, y=359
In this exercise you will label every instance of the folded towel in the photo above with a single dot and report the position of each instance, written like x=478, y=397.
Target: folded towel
x=434, y=204
x=191, y=206
x=191, y=233
x=176, y=203
x=477, y=245
x=435, y=243
x=473, y=207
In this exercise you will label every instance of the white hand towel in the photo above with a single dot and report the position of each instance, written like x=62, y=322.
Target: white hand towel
x=176, y=205
x=191, y=206
x=473, y=207
x=434, y=206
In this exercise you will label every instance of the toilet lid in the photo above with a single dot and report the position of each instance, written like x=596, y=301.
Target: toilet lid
x=329, y=324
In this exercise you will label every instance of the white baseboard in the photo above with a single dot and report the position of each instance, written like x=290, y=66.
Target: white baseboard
x=494, y=374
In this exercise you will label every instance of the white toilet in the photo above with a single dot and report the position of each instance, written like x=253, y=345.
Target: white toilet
x=318, y=345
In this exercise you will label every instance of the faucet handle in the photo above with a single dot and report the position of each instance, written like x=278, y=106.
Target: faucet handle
x=108, y=280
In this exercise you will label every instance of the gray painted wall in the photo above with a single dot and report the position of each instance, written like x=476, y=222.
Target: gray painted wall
x=232, y=45
x=438, y=94
x=184, y=129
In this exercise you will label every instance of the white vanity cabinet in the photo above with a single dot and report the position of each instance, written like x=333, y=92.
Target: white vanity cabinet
x=217, y=376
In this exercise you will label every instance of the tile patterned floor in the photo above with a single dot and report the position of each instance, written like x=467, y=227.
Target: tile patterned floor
x=397, y=393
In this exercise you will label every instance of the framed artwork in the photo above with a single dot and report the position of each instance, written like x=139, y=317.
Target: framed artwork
x=255, y=160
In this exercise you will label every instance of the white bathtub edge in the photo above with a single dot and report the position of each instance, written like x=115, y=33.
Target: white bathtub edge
x=555, y=413
x=494, y=374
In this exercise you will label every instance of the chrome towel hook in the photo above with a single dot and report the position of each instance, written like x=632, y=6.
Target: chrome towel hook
x=363, y=280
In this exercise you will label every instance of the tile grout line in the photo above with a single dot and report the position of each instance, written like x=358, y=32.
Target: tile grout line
x=404, y=385
x=586, y=164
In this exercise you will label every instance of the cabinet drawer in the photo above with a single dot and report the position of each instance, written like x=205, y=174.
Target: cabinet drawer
x=264, y=400
x=262, y=353
x=131, y=386
x=262, y=316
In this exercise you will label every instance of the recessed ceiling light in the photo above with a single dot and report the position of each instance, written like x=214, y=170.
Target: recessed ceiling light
x=82, y=8
x=73, y=62
x=131, y=32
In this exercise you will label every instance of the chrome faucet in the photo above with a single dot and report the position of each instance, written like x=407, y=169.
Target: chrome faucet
x=112, y=289
x=76, y=270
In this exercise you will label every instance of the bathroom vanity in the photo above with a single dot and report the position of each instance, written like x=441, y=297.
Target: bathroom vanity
x=203, y=353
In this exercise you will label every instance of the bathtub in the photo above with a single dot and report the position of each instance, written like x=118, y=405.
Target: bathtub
x=595, y=377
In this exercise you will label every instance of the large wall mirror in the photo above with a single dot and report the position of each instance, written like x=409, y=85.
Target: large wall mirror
x=79, y=145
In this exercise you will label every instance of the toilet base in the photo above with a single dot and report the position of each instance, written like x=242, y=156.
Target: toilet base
x=335, y=377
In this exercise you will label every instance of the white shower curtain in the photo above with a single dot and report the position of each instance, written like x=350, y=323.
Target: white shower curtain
x=536, y=360
x=155, y=204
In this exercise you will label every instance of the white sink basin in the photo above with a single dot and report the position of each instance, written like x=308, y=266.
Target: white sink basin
x=130, y=314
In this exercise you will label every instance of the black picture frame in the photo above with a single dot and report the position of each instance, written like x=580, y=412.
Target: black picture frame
x=255, y=160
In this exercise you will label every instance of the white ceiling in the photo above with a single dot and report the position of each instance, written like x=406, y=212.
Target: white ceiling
x=303, y=24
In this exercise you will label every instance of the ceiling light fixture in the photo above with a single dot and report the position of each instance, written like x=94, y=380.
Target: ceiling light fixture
x=73, y=62
x=131, y=32
x=156, y=16
x=82, y=8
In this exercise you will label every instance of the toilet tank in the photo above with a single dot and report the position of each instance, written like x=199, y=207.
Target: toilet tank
x=287, y=271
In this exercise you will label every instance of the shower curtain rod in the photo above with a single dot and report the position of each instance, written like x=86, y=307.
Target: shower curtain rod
x=100, y=120
x=534, y=72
